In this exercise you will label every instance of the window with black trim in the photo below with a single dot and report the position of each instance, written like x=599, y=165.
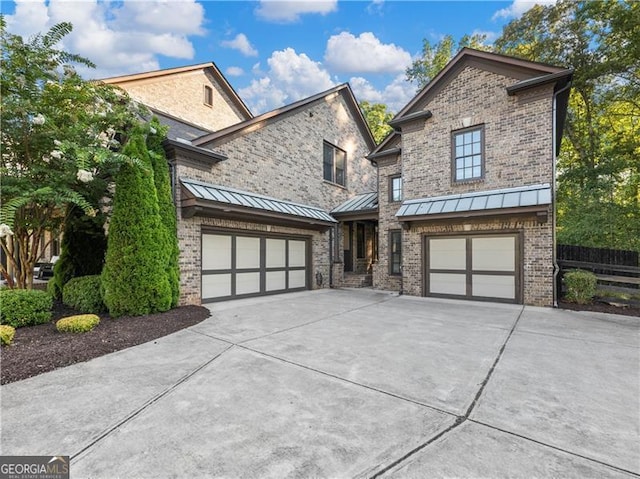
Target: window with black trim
x=468, y=153
x=395, y=251
x=208, y=95
x=334, y=162
x=395, y=188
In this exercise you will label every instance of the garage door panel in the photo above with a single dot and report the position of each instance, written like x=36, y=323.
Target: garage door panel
x=276, y=280
x=447, y=253
x=448, y=283
x=297, y=253
x=276, y=253
x=247, y=283
x=216, y=285
x=216, y=252
x=493, y=286
x=247, y=252
x=297, y=279
x=493, y=254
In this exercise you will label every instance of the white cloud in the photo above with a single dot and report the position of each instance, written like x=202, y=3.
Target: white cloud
x=287, y=11
x=291, y=77
x=234, y=71
x=395, y=95
x=242, y=44
x=119, y=37
x=364, y=54
x=375, y=7
x=519, y=7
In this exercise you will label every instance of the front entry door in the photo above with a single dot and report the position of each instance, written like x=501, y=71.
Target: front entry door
x=347, y=241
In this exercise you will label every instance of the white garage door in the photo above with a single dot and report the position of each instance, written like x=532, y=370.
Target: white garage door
x=240, y=265
x=474, y=267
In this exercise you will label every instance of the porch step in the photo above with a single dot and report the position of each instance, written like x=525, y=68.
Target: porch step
x=353, y=280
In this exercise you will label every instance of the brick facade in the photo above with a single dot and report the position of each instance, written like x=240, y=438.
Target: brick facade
x=281, y=158
x=518, y=144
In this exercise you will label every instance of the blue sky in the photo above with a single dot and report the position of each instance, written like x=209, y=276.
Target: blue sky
x=272, y=52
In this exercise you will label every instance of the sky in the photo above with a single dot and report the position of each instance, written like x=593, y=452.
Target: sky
x=272, y=52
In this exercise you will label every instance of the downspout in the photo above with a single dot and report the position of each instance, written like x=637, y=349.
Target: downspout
x=556, y=268
x=331, y=256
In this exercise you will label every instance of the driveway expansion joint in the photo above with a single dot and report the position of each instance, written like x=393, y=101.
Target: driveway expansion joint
x=460, y=419
x=78, y=455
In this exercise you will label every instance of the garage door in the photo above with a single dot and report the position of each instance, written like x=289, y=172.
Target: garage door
x=242, y=265
x=473, y=267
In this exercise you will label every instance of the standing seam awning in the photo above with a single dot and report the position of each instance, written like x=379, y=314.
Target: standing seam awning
x=200, y=197
x=464, y=204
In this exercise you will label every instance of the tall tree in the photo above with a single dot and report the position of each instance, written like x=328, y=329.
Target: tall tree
x=135, y=279
x=435, y=56
x=59, y=139
x=599, y=164
x=378, y=118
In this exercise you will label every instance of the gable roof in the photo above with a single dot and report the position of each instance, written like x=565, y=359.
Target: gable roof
x=273, y=115
x=213, y=69
x=390, y=145
x=510, y=66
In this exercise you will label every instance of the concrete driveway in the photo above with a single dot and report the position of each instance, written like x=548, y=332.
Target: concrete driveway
x=348, y=383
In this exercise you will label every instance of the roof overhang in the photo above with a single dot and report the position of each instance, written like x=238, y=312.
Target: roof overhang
x=197, y=200
x=418, y=115
x=361, y=207
x=182, y=152
x=362, y=215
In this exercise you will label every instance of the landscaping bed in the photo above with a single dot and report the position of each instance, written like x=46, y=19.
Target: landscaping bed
x=603, y=306
x=38, y=349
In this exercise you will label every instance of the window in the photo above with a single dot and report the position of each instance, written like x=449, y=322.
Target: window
x=395, y=250
x=208, y=95
x=467, y=154
x=334, y=164
x=395, y=188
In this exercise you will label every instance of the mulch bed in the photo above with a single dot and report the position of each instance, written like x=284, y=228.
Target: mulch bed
x=602, y=307
x=38, y=349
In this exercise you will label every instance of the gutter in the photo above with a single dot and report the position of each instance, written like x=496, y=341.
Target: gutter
x=556, y=268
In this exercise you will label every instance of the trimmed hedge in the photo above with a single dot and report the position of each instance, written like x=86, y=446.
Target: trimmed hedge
x=6, y=334
x=84, y=294
x=134, y=279
x=24, y=307
x=580, y=286
x=80, y=323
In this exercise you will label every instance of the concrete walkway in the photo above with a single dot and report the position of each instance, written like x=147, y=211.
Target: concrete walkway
x=348, y=383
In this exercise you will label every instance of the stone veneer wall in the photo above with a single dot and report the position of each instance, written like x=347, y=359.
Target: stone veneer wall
x=182, y=95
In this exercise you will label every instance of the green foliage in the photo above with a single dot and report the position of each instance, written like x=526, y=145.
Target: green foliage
x=166, y=206
x=6, y=334
x=435, y=56
x=599, y=164
x=60, y=140
x=80, y=323
x=580, y=286
x=23, y=307
x=83, y=248
x=134, y=279
x=377, y=118
x=84, y=294
x=52, y=290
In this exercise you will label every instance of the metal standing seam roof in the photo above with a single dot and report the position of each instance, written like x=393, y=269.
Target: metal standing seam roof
x=523, y=196
x=362, y=202
x=231, y=196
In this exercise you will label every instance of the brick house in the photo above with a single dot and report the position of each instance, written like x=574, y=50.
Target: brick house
x=254, y=194
x=466, y=183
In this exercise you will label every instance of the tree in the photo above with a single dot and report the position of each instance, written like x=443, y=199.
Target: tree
x=435, y=56
x=135, y=279
x=599, y=164
x=59, y=140
x=377, y=118
x=166, y=205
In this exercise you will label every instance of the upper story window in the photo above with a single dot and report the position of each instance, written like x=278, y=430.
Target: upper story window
x=334, y=162
x=395, y=188
x=468, y=153
x=208, y=95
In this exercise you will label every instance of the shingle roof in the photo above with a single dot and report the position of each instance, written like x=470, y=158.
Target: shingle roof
x=523, y=196
x=179, y=129
x=359, y=203
x=231, y=196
